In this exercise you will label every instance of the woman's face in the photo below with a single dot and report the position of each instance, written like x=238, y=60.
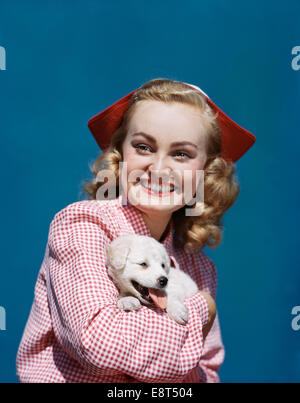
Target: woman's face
x=165, y=144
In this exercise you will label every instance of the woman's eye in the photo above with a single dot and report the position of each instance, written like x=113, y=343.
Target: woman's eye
x=142, y=148
x=182, y=154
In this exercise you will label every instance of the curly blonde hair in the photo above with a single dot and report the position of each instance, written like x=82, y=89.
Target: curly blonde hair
x=221, y=187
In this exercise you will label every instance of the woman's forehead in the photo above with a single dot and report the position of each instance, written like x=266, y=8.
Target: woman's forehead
x=159, y=110
x=176, y=121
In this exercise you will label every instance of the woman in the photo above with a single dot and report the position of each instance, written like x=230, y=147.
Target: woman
x=151, y=138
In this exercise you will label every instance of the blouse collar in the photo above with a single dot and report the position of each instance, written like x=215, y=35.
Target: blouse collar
x=135, y=217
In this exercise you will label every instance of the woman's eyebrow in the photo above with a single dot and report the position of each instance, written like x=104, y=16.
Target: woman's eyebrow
x=152, y=139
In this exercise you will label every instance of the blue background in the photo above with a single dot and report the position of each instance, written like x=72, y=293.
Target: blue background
x=68, y=60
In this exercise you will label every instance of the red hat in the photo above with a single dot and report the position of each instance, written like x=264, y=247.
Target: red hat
x=236, y=141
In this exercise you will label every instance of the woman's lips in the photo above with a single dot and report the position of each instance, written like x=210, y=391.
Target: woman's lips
x=152, y=192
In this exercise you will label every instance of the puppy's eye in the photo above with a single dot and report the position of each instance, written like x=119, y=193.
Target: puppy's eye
x=143, y=264
x=163, y=265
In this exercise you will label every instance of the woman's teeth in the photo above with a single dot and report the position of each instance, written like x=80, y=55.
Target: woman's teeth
x=158, y=188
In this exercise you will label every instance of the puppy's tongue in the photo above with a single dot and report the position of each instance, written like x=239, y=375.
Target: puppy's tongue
x=158, y=297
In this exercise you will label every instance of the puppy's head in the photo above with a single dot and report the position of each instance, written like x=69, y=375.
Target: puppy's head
x=138, y=263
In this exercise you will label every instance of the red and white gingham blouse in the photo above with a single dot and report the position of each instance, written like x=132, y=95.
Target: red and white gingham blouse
x=75, y=332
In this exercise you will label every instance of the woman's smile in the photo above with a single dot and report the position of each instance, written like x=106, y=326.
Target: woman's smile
x=164, y=143
x=157, y=189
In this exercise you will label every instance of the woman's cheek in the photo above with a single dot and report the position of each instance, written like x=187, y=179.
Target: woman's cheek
x=129, y=160
x=192, y=174
x=133, y=167
x=198, y=177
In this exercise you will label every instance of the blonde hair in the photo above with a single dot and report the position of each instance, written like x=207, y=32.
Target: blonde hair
x=220, y=184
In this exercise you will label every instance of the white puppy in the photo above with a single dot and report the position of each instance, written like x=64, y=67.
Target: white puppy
x=140, y=267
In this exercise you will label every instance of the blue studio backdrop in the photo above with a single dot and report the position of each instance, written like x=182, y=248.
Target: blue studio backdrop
x=62, y=62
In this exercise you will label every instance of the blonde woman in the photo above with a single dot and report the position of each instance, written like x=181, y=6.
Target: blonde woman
x=150, y=139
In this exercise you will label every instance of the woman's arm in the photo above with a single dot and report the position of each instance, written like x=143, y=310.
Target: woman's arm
x=213, y=354
x=145, y=344
x=213, y=351
x=212, y=311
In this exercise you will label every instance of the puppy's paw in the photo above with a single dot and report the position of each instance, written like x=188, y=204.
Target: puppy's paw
x=128, y=303
x=178, y=311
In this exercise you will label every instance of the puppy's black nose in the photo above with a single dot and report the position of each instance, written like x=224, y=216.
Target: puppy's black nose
x=162, y=281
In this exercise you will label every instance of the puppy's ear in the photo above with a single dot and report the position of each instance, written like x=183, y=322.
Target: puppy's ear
x=117, y=252
x=168, y=262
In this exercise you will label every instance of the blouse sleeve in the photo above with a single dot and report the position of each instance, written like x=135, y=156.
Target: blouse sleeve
x=213, y=354
x=145, y=344
x=213, y=350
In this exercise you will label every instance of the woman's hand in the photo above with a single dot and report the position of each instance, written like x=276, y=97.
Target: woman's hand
x=212, y=310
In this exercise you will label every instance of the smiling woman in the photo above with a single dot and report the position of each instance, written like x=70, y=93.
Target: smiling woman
x=168, y=133
x=177, y=146
x=160, y=131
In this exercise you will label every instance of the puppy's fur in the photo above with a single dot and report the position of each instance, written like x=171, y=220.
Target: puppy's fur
x=137, y=263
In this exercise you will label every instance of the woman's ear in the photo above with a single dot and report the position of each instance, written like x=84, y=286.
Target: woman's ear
x=117, y=252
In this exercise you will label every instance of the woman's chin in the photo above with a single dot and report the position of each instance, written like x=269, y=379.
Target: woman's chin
x=140, y=196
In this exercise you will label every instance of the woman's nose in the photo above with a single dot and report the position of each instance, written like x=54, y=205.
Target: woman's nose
x=159, y=169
